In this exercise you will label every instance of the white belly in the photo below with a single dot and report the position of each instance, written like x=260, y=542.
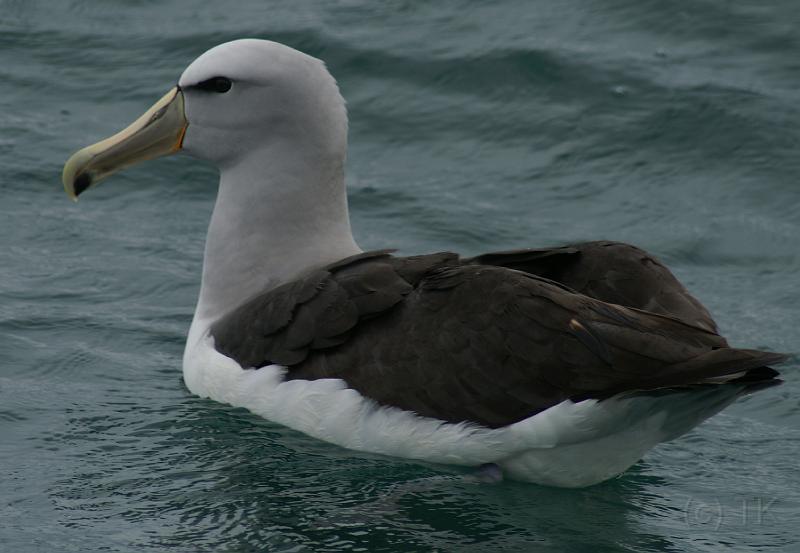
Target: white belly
x=569, y=445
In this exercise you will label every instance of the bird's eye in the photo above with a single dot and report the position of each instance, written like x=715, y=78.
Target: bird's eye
x=215, y=84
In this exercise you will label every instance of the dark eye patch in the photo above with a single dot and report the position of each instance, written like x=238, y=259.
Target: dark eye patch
x=215, y=84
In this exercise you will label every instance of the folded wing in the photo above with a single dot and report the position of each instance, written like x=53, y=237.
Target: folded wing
x=471, y=340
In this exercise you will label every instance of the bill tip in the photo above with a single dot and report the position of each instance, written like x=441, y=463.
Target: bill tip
x=81, y=183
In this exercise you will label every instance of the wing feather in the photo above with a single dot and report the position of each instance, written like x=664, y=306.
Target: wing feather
x=470, y=341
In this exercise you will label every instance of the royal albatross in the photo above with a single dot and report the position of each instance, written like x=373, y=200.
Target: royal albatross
x=562, y=366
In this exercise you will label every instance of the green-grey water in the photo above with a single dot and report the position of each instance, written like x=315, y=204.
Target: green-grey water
x=474, y=126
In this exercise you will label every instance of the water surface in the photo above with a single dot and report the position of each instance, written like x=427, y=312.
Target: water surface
x=675, y=126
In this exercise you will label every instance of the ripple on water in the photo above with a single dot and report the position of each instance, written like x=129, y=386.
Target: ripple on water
x=474, y=127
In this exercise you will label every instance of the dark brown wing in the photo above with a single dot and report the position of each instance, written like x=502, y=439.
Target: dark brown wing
x=612, y=272
x=467, y=342
x=320, y=310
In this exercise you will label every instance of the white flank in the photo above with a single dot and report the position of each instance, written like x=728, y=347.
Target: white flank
x=569, y=445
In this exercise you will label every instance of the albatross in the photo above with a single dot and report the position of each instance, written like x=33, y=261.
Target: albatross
x=561, y=366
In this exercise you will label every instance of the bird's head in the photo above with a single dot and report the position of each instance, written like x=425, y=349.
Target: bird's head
x=236, y=100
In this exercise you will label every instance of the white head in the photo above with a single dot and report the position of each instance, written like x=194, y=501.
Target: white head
x=234, y=102
x=275, y=94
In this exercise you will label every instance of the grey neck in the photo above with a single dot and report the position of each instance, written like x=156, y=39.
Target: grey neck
x=277, y=216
